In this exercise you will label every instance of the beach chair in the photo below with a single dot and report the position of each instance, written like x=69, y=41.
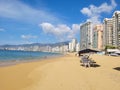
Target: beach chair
x=85, y=62
x=92, y=63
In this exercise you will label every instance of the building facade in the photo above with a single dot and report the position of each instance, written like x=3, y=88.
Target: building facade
x=72, y=45
x=77, y=47
x=111, y=30
x=107, y=32
x=116, y=29
x=98, y=37
x=86, y=33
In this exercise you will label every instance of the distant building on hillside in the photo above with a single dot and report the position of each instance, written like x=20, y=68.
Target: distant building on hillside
x=77, y=47
x=72, y=45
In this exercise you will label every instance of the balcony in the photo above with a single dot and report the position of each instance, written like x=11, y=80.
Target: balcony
x=119, y=33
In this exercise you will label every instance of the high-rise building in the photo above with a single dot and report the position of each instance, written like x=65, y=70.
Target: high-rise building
x=77, y=47
x=111, y=30
x=74, y=42
x=116, y=29
x=86, y=33
x=107, y=32
x=72, y=45
x=98, y=37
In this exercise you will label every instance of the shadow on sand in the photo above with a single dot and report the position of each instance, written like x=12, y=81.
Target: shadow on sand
x=94, y=66
x=117, y=68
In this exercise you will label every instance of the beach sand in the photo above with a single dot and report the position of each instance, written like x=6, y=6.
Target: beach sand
x=62, y=73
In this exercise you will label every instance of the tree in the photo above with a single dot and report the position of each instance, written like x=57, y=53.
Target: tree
x=109, y=47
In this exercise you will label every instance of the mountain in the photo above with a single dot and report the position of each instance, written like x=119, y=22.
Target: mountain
x=35, y=44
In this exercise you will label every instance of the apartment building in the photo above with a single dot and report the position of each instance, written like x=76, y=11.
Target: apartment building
x=86, y=33
x=107, y=32
x=72, y=45
x=77, y=47
x=98, y=37
x=111, y=30
x=116, y=29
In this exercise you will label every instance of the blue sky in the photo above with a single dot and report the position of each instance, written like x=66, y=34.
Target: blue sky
x=49, y=21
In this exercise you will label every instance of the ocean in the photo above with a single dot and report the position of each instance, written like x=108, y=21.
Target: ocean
x=8, y=55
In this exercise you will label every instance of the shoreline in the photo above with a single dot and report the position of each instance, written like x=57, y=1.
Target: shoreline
x=4, y=63
x=12, y=57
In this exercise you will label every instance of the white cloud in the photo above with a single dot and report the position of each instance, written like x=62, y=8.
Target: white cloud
x=28, y=37
x=76, y=28
x=94, y=13
x=15, y=9
x=2, y=30
x=61, y=31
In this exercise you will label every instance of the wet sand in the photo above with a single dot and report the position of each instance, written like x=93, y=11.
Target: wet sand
x=62, y=73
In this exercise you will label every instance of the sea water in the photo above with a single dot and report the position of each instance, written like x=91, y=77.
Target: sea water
x=7, y=55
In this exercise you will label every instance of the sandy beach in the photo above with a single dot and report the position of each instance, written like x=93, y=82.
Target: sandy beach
x=62, y=73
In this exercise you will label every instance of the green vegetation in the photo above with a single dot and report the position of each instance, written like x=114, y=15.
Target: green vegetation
x=109, y=47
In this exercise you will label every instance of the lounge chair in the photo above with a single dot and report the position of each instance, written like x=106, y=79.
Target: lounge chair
x=87, y=62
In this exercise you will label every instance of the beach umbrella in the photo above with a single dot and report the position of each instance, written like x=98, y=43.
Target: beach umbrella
x=87, y=51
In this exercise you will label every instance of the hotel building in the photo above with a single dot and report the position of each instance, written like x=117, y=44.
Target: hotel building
x=86, y=33
x=98, y=37
x=111, y=30
x=77, y=47
x=107, y=32
x=116, y=29
x=72, y=45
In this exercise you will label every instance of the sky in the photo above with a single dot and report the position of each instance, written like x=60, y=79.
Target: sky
x=49, y=21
